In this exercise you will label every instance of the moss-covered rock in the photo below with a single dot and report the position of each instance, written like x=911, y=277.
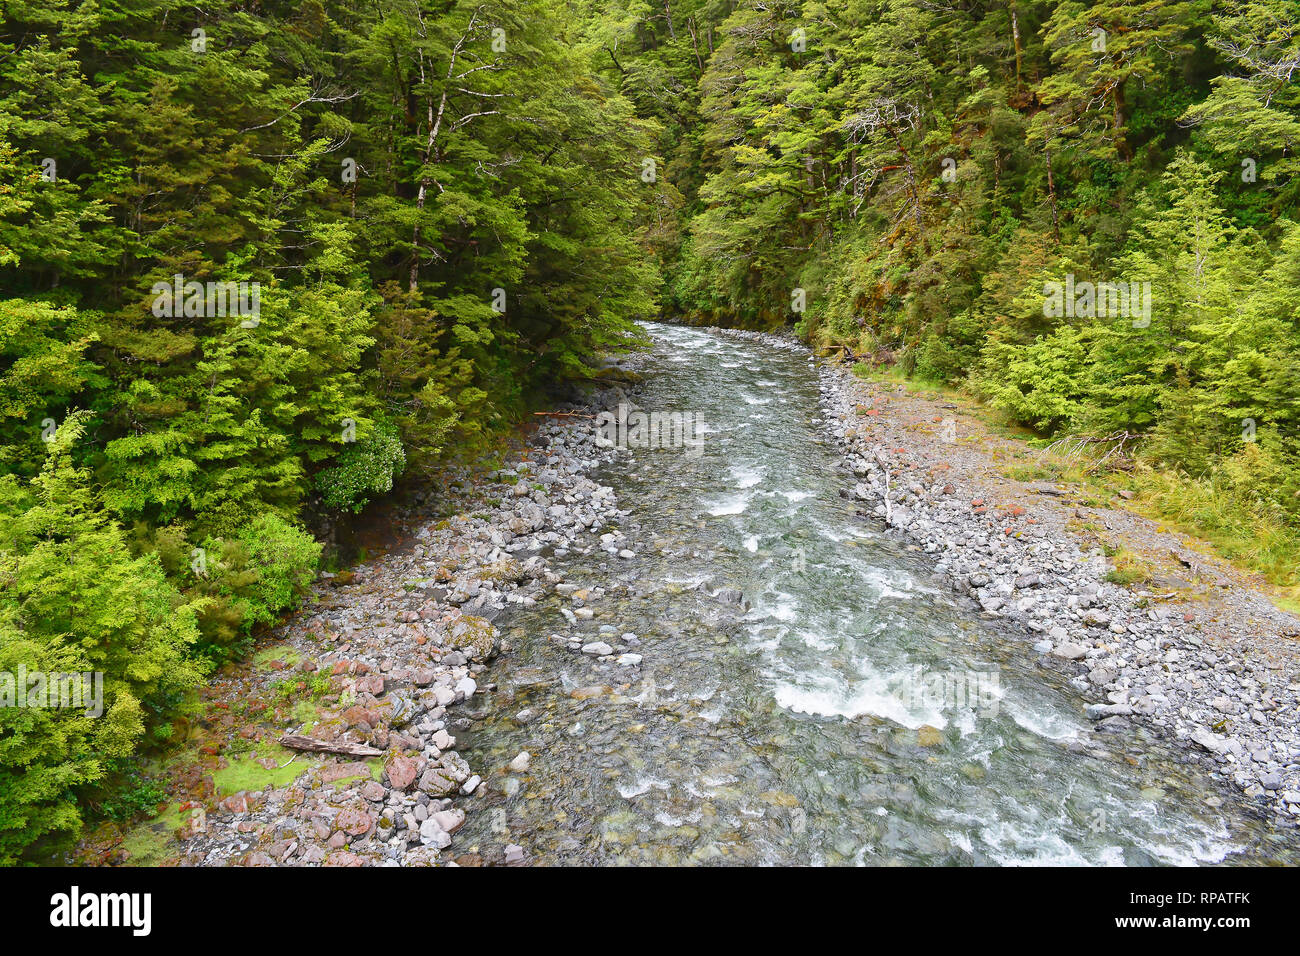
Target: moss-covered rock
x=474, y=637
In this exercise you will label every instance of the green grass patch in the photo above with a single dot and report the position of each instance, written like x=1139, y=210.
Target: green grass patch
x=276, y=652
x=298, y=687
x=246, y=773
x=890, y=375
x=1127, y=568
x=152, y=842
x=1234, y=526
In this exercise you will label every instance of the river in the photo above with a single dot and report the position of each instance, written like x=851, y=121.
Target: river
x=856, y=711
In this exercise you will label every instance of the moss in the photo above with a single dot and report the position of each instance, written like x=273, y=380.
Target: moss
x=305, y=712
x=276, y=652
x=375, y=768
x=246, y=773
x=1127, y=568
x=153, y=842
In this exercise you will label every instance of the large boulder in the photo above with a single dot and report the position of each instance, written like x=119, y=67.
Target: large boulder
x=474, y=636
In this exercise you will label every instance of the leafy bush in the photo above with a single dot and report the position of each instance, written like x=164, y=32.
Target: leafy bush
x=236, y=583
x=1039, y=384
x=365, y=468
x=250, y=580
x=74, y=600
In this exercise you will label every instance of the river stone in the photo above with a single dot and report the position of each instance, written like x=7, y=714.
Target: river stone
x=473, y=635
x=927, y=736
x=438, y=782
x=402, y=772
x=353, y=821
x=433, y=835
x=1208, y=741
x=449, y=820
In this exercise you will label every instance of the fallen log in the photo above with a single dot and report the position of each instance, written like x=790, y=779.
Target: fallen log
x=299, y=742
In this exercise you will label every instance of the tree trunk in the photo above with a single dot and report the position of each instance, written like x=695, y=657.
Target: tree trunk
x=1015, y=38
x=1051, y=192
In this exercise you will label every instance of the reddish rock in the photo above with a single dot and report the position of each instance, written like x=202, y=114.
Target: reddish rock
x=357, y=715
x=373, y=685
x=354, y=821
x=236, y=803
x=341, y=771
x=312, y=854
x=402, y=772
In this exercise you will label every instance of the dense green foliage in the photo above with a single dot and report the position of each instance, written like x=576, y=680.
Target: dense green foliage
x=75, y=602
x=917, y=174
x=402, y=221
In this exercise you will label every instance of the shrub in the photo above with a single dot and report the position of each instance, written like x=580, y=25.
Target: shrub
x=250, y=580
x=74, y=600
x=1038, y=384
x=365, y=468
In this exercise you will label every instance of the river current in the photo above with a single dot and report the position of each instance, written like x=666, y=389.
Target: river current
x=852, y=711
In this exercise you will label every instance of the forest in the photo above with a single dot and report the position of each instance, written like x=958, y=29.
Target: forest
x=262, y=262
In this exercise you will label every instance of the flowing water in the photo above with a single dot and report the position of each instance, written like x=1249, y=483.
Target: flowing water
x=855, y=712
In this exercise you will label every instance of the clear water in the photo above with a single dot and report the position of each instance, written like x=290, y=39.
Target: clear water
x=785, y=733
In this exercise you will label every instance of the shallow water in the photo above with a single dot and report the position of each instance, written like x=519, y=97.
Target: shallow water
x=856, y=712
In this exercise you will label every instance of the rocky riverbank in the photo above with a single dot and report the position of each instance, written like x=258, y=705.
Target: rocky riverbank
x=1210, y=663
x=338, y=743
x=382, y=669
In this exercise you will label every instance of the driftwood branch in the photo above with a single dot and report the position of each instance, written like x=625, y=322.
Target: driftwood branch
x=299, y=742
x=1075, y=446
